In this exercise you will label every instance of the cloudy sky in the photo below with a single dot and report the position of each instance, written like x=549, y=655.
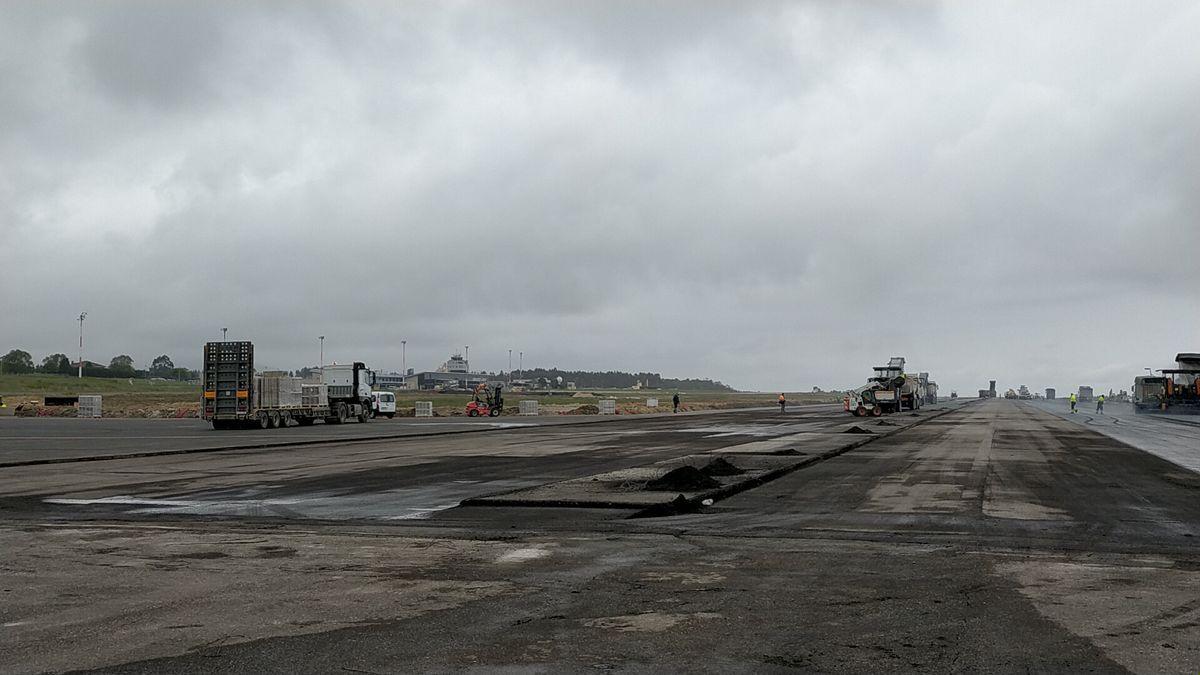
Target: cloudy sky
x=777, y=195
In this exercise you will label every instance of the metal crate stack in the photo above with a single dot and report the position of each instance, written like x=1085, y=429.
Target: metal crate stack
x=90, y=406
x=273, y=391
x=528, y=407
x=314, y=395
x=608, y=406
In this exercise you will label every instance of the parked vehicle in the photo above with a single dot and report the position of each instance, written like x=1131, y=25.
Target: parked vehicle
x=383, y=403
x=1085, y=394
x=235, y=396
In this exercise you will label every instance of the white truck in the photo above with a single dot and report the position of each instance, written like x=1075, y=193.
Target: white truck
x=235, y=395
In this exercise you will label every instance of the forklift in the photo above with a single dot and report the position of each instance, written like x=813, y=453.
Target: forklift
x=487, y=402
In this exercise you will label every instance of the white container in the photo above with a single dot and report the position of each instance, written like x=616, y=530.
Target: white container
x=651, y=403
x=528, y=407
x=608, y=406
x=424, y=408
x=90, y=406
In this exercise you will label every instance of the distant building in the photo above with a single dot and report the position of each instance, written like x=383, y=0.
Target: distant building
x=390, y=381
x=456, y=364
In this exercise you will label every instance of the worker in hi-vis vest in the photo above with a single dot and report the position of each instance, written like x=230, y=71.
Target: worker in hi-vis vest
x=1073, y=402
x=1100, y=404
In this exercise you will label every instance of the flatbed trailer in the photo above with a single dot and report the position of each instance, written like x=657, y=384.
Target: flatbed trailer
x=234, y=396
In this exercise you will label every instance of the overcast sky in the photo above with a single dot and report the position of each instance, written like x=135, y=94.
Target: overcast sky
x=776, y=195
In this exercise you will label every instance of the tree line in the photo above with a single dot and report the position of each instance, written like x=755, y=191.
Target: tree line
x=19, y=362
x=614, y=379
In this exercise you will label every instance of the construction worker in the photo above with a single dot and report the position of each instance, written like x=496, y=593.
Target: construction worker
x=1073, y=402
x=1100, y=404
x=675, y=401
x=782, y=403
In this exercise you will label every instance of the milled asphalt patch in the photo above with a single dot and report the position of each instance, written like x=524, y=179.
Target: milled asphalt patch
x=621, y=489
x=346, y=441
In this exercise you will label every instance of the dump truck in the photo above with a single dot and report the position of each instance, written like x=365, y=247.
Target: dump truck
x=1085, y=394
x=890, y=390
x=235, y=396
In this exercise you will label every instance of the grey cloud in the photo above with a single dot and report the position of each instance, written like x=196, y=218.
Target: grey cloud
x=777, y=194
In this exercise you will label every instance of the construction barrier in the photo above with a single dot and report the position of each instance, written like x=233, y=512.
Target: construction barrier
x=90, y=406
x=528, y=407
x=424, y=408
x=608, y=406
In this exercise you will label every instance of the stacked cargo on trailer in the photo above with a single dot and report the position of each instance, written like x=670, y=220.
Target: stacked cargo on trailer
x=235, y=396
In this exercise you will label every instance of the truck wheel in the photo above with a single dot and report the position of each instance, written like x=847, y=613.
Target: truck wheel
x=494, y=412
x=363, y=415
x=343, y=413
x=264, y=420
x=284, y=418
x=876, y=411
x=273, y=419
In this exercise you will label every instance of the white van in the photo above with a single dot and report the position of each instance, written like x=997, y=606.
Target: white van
x=383, y=403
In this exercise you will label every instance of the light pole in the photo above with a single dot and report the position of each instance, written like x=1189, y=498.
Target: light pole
x=82, y=316
x=521, y=364
x=322, y=339
x=467, y=358
x=404, y=358
x=224, y=333
x=510, y=366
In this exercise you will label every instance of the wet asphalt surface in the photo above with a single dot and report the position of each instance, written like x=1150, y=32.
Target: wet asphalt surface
x=995, y=538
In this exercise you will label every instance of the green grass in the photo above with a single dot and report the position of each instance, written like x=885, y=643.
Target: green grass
x=67, y=385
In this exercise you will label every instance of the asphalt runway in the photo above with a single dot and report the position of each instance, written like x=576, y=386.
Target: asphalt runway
x=52, y=439
x=990, y=537
x=1175, y=438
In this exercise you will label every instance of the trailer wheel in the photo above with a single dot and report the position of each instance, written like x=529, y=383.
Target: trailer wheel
x=273, y=419
x=877, y=411
x=264, y=420
x=284, y=418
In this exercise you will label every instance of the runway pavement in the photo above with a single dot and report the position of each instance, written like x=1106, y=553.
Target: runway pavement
x=997, y=537
x=1175, y=438
x=55, y=439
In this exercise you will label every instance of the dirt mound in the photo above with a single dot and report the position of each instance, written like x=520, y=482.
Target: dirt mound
x=685, y=478
x=885, y=423
x=584, y=410
x=857, y=430
x=721, y=467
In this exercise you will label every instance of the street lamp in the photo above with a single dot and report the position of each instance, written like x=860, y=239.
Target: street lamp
x=224, y=333
x=510, y=366
x=521, y=364
x=322, y=339
x=404, y=358
x=467, y=358
x=82, y=316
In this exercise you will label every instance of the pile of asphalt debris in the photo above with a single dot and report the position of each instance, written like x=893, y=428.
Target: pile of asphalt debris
x=688, y=478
